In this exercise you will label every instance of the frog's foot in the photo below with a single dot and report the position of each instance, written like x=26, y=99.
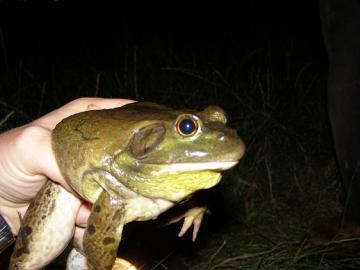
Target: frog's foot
x=121, y=264
x=77, y=261
x=193, y=216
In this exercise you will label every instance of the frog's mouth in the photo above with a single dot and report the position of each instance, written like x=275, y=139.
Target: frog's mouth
x=174, y=168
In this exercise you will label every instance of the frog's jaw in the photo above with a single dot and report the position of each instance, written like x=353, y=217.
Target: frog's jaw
x=156, y=169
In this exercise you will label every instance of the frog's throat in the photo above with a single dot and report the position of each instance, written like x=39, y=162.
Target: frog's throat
x=169, y=184
x=171, y=187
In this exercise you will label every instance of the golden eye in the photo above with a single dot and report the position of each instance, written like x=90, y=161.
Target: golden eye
x=187, y=126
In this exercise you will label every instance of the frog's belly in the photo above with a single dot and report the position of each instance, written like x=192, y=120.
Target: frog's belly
x=46, y=228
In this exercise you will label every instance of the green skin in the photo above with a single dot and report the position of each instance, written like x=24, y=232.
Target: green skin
x=131, y=163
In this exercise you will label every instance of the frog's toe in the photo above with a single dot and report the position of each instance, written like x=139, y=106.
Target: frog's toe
x=197, y=222
x=121, y=264
x=194, y=217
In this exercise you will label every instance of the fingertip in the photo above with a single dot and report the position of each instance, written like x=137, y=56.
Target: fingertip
x=107, y=103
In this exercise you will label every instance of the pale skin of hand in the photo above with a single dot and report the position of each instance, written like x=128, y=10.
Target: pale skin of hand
x=27, y=160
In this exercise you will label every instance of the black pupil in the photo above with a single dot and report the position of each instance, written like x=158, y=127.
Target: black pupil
x=187, y=126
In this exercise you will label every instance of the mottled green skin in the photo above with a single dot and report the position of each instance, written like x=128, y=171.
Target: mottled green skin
x=126, y=162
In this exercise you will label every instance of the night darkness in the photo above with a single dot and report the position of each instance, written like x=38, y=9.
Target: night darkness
x=54, y=39
x=264, y=62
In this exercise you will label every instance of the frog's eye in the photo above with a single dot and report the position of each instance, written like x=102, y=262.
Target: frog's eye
x=187, y=126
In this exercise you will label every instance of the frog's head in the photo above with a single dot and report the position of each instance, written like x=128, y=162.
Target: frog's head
x=173, y=153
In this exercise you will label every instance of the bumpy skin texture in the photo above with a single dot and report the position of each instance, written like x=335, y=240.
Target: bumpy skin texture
x=132, y=163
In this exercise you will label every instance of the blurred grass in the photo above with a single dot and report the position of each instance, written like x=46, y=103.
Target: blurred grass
x=266, y=205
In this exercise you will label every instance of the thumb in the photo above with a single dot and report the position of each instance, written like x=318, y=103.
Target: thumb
x=83, y=215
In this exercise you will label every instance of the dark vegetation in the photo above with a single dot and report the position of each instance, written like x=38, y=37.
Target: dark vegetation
x=263, y=63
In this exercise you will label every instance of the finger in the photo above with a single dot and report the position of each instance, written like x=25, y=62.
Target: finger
x=51, y=119
x=31, y=156
x=44, y=162
x=78, y=237
x=83, y=215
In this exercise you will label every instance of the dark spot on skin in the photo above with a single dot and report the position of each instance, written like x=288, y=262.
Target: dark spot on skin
x=27, y=230
x=48, y=192
x=43, y=217
x=23, y=237
x=97, y=208
x=108, y=240
x=91, y=229
x=21, y=251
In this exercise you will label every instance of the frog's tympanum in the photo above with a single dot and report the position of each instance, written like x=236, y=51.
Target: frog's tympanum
x=131, y=163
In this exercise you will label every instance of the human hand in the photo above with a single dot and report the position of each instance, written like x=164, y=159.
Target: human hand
x=27, y=159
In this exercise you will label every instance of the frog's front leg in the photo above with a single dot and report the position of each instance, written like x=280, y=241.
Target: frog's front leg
x=103, y=233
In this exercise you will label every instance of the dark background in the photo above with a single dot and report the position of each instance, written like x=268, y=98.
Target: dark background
x=52, y=39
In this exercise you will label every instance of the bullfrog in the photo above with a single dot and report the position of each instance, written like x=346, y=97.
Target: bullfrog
x=131, y=164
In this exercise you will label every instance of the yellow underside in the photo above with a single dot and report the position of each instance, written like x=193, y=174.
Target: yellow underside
x=175, y=187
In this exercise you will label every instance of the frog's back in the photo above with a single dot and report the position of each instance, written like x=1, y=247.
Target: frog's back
x=105, y=130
